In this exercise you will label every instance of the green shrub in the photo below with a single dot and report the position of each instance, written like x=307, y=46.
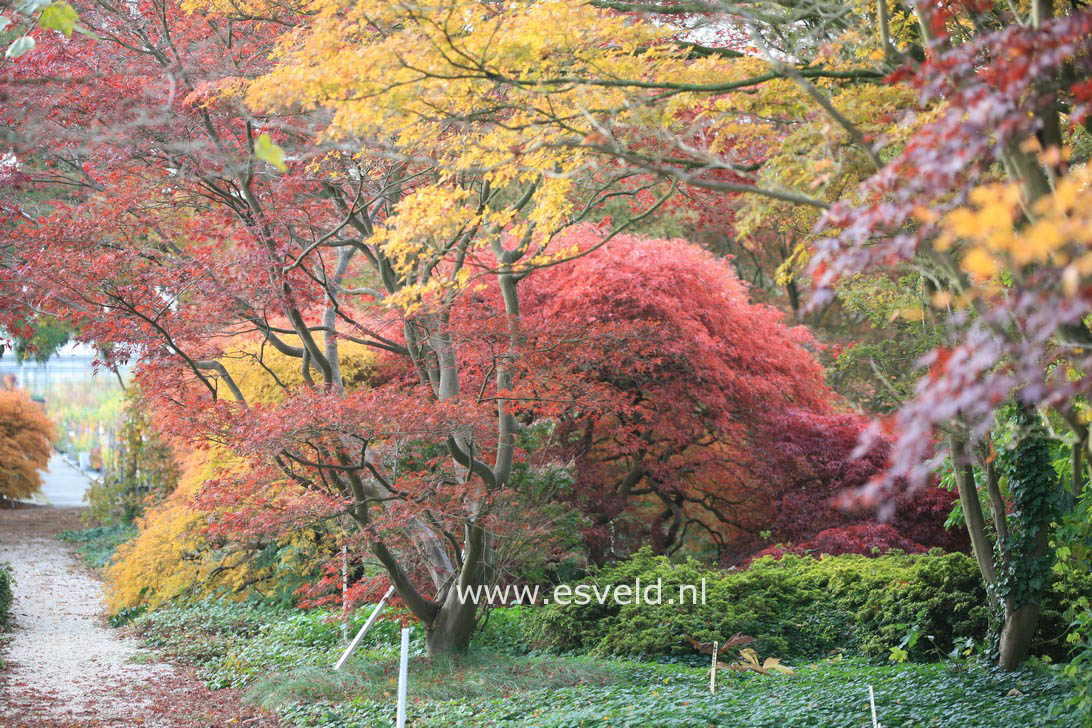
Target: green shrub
x=798, y=607
x=140, y=471
x=504, y=629
x=6, y=581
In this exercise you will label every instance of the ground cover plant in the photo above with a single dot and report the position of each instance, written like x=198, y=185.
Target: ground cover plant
x=833, y=694
x=283, y=657
x=97, y=545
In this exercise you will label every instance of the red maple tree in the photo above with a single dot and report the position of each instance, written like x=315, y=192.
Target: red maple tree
x=723, y=430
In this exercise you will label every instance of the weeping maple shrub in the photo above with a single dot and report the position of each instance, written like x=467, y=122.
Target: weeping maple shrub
x=174, y=555
x=26, y=435
x=723, y=433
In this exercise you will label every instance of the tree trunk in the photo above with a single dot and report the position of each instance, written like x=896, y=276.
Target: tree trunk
x=972, y=510
x=1034, y=490
x=1022, y=621
x=453, y=625
x=1019, y=630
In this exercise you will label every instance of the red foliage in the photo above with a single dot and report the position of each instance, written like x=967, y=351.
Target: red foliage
x=996, y=89
x=683, y=408
x=721, y=425
x=869, y=539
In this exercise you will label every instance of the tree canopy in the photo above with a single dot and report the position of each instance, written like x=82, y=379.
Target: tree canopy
x=489, y=199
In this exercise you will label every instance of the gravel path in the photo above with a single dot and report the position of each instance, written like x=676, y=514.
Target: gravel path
x=64, y=666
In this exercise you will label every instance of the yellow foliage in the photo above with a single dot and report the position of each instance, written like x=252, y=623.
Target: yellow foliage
x=1059, y=232
x=816, y=155
x=170, y=555
x=498, y=98
x=257, y=369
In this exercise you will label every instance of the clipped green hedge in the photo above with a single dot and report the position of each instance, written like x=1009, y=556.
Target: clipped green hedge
x=6, y=581
x=797, y=607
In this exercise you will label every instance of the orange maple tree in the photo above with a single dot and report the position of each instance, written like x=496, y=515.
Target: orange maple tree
x=25, y=437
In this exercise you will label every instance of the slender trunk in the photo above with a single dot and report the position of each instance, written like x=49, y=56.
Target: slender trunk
x=998, y=508
x=1026, y=556
x=972, y=511
x=882, y=19
x=1077, y=462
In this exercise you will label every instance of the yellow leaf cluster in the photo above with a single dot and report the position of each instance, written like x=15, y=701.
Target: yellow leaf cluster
x=496, y=98
x=169, y=555
x=253, y=367
x=1058, y=231
x=815, y=155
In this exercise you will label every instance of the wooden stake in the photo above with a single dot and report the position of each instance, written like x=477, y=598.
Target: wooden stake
x=872, y=704
x=344, y=595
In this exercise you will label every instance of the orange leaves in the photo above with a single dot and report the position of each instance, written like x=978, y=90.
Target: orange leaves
x=208, y=93
x=939, y=364
x=748, y=661
x=26, y=437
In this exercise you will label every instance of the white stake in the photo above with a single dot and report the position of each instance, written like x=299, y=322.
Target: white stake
x=872, y=704
x=367, y=625
x=403, y=677
x=713, y=671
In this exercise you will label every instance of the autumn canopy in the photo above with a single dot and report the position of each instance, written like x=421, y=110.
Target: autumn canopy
x=486, y=290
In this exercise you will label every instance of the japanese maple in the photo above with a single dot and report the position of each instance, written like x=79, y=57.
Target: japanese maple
x=722, y=427
x=26, y=442
x=984, y=202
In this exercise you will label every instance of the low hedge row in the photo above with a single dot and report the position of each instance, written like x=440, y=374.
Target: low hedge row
x=796, y=607
x=6, y=581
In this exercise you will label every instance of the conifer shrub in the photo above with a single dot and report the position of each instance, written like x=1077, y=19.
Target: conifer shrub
x=798, y=607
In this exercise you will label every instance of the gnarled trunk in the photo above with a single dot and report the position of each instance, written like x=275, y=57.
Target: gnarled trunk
x=449, y=620
x=453, y=626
